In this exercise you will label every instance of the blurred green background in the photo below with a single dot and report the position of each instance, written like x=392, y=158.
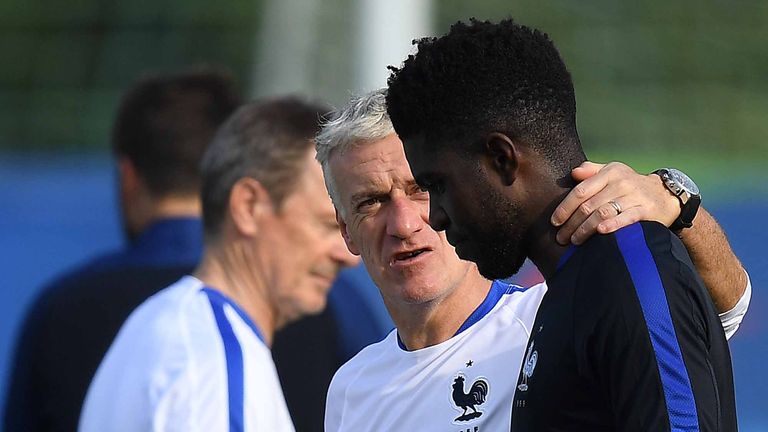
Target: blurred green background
x=67, y=62
x=651, y=76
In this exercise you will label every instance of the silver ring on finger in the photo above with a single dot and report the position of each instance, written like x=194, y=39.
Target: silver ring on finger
x=615, y=206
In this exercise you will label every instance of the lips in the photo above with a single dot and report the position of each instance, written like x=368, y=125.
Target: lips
x=326, y=274
x=407, y=255
x=411, y=255
x=323, y=280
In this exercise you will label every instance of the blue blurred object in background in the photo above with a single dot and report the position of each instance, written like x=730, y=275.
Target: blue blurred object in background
x=59, y=211
x=56, y=212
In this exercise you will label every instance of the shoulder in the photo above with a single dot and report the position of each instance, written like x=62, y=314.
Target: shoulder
x=372, y=353
x=632, y=271
x=358, y=381
x=622, y=255
x=651, y=251
x=72, y=279
x=639, y=235
x=149, y=360
x=372, y=356
x=644, y=235
x=518, y=304
x=100, y=287
x=518, y=295
x=113, y=259
x=164, y=319
x=608, y=270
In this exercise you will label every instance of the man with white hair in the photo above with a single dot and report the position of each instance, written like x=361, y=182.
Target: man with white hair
x=450, y=363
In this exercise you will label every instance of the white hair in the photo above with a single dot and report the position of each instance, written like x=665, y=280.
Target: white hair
x=363, y=120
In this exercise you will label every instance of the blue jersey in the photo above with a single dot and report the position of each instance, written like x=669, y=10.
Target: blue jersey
x=626, y=339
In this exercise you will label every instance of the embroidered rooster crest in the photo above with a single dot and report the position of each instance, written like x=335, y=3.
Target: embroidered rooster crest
x=529, y=364
x=477, y=394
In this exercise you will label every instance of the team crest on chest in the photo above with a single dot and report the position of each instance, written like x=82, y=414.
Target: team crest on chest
x=467, y=396
x=529, y=364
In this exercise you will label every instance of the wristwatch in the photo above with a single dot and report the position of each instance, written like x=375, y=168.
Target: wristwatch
x=686, y=191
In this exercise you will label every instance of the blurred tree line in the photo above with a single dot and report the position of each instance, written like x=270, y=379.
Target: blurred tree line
x=650, y=76
x=65, y=63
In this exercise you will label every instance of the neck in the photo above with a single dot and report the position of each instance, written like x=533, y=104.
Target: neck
x=150, y=210
x=544, y=250
x=426, y=324
x=176, y=206
x=226, y=267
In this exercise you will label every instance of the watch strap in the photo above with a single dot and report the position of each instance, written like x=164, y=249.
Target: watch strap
x=687, y=213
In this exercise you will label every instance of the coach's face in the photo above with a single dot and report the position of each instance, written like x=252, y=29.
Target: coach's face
x=384, y=217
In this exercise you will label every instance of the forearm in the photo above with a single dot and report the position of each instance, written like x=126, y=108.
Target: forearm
x=720, y=269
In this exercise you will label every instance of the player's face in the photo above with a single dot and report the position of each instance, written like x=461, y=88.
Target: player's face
x=307, y=251
x=479, y=221
x=384, y=217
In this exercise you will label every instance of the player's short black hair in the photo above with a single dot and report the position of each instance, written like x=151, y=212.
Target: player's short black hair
x=166, y=121
x=484, y=77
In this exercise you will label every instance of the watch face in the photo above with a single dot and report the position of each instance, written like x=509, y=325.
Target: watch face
x=684, y=181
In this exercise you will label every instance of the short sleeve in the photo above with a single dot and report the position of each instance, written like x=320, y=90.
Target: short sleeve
x=731, y=319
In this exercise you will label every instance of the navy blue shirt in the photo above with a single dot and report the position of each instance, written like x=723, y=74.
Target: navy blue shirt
x=168, y=242
x=626, y=339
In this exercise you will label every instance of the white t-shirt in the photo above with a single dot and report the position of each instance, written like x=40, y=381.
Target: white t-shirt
x=732, y=319
x=466, y=383
x=386, y=388
x=188, y=359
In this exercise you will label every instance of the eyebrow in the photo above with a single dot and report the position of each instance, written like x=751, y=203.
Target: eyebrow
x=359, y=196
x=374, y=193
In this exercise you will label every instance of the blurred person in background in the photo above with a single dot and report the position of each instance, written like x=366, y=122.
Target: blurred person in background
x=196, y=356
x=460, y=337
x=162, y=128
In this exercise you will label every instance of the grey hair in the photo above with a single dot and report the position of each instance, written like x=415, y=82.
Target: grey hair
x=265, y=140
x=362, y=120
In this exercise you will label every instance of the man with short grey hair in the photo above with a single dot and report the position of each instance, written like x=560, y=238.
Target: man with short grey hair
x=196, y=356
x=450, y=362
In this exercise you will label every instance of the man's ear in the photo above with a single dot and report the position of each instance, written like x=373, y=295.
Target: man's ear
x=344, y=233
x=136, y=203
x=502, y=157
x=248, y=201
x=130, y=183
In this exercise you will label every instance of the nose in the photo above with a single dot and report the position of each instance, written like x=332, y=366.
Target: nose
x=405, y=217
x=438, y=219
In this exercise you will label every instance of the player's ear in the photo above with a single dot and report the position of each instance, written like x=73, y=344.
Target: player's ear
x=130, y=180
x=344, y=233
x=248, y=201
x=502, y=157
